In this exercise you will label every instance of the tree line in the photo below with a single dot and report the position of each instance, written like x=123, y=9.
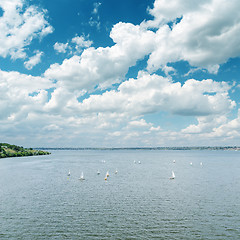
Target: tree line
x=9, y=150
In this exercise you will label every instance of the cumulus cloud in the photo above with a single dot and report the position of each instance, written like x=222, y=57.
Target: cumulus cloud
x=205, y=124
x=203, y=33
x=75, y=46
x=25, y=102
x=154, y=93
x=81, y=43
x=195, y=31
x=34, y=60
x=165, y=11
x=103, y=67
x=62, y=102
x=21, y=93
x=60, y=47
x=216, y=129
x=19, y=26
x=138, y=123
x=148, y=94
x=230, y=129
x=120, y=111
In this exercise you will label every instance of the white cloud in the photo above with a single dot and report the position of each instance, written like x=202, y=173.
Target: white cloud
x=76, y=46
x=19, y=26
x=104, y=66
x=205, y=124
x=34, y=60
x=52, y=127
x=206, y=36
x=193, y=70
x=96, y=6
x=60, y=47
x=62, y=102
x=21, y=94
x=94, y=21
x=165, y=11
x=213, y=130
x=138, y=123
x=153, y=93
x=168, y=69
x=27, y=108
x=81, y=43
x=230, y=129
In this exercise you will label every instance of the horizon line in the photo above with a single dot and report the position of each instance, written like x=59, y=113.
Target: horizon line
x=143, y=148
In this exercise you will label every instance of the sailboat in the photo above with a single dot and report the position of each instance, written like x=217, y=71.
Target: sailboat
x=69, y=173
x=106, y=177
x=107, y=174
x=98, y=172
x=82, y=177
x=116, y=171
x=173, y=175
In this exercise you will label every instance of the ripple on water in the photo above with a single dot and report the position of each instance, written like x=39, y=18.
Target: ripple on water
x=39, y=201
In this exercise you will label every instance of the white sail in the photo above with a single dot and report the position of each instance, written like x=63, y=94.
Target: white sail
x=82, y=177
x=173, y=175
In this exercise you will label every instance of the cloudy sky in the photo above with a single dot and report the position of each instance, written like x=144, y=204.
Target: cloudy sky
x=130, y=73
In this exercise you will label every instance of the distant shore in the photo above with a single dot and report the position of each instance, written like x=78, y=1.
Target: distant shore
x=233, y=148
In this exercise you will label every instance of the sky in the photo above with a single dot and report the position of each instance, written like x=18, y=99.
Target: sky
x=130, y=73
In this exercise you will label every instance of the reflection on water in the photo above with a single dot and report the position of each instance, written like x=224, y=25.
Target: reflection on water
x=40, y=201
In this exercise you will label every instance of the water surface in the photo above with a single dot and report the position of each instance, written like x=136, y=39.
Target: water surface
x=39, y=201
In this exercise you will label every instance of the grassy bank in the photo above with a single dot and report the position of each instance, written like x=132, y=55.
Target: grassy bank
x=8, y=150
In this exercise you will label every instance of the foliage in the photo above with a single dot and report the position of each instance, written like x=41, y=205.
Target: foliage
x=8, y=150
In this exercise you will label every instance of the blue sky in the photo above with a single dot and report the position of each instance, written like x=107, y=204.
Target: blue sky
x=119, y=73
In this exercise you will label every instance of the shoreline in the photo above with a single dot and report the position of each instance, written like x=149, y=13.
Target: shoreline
x=232, y=148
x=8, y=151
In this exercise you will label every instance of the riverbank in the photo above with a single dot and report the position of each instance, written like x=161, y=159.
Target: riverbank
x=8, y=150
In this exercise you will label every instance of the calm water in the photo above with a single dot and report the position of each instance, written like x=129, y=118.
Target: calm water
x=39, y=201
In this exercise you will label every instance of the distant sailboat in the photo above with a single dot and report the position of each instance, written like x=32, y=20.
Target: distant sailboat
x=139, y=162
x=190, y=163
x=201, y=163
x=69, y=173
x=82, y=177
x=174, y=161
x=107, y=174
x=116, y=171
x=106, y=177
x=173, y=175
x=98, y=172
